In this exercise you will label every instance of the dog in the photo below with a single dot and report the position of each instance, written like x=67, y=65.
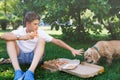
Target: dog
x=107, y=49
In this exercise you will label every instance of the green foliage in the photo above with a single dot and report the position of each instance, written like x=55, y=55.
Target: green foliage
x=113, y=26
x=16, y=22
x=58, y=13
x=105, y=16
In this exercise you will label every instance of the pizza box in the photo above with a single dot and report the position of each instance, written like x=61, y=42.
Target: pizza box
x=73, y=67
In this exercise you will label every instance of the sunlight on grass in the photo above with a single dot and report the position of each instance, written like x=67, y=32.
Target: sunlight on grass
x=48, y=30
x=1, y=33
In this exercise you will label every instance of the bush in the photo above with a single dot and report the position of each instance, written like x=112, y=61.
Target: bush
x=4, y=22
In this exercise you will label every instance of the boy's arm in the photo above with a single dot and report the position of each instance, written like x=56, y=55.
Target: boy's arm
x=66, y=46
x=8, y=36
x=11, y=36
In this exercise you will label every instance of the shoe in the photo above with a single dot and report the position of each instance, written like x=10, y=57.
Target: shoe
x=29, y=75
x=19, y=75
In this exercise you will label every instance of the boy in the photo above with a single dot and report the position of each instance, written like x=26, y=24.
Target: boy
x=27, y=45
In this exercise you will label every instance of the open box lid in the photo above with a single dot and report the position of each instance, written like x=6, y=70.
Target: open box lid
x=85, y=70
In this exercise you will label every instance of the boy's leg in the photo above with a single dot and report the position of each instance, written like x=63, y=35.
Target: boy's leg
x=38, y=53
x=13, y=51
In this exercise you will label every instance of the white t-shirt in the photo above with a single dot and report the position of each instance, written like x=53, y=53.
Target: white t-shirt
x=29, y=45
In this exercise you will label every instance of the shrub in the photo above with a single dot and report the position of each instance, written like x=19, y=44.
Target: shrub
x=4, y=22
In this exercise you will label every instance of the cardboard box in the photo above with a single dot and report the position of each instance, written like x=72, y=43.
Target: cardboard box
x=83, y=70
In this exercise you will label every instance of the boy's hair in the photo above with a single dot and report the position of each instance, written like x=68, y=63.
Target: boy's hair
x=30, y=16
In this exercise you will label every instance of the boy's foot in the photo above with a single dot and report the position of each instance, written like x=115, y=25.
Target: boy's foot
x=18, y=75
x=29, y=75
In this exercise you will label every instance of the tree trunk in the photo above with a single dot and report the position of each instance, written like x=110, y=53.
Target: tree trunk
x=5, y=7
x=111, y=31
x=4, y=26
x=80, y=27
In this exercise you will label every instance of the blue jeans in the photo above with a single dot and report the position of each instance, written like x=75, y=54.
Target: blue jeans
x=26, y=58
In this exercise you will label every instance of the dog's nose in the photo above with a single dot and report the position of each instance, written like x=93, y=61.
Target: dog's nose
x=85, y=59
x=91, y=62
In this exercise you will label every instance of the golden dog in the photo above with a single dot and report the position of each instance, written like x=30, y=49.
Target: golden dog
x=107, y=49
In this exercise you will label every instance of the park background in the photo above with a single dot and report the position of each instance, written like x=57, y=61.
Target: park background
x=80, y=23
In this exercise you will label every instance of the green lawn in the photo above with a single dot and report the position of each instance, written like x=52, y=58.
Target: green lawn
x=52, y=52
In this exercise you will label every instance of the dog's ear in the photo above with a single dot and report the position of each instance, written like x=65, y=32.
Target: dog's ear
x=85, y=52
x=96, y=56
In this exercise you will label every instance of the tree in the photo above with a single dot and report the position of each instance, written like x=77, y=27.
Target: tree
x=106, y=12
x=62, y=12
x=114, y=20
x=59, y=13
x=74, y=17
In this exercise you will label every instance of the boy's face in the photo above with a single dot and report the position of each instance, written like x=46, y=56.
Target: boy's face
x=32, y=26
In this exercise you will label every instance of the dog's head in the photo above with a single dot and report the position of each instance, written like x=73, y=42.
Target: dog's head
x=91, y=55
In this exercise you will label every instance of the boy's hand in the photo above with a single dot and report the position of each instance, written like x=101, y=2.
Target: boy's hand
x=78, y=52
x=31, y=35
x=36, y=34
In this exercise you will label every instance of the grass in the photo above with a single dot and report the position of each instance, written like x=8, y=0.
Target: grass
x=52, y=52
